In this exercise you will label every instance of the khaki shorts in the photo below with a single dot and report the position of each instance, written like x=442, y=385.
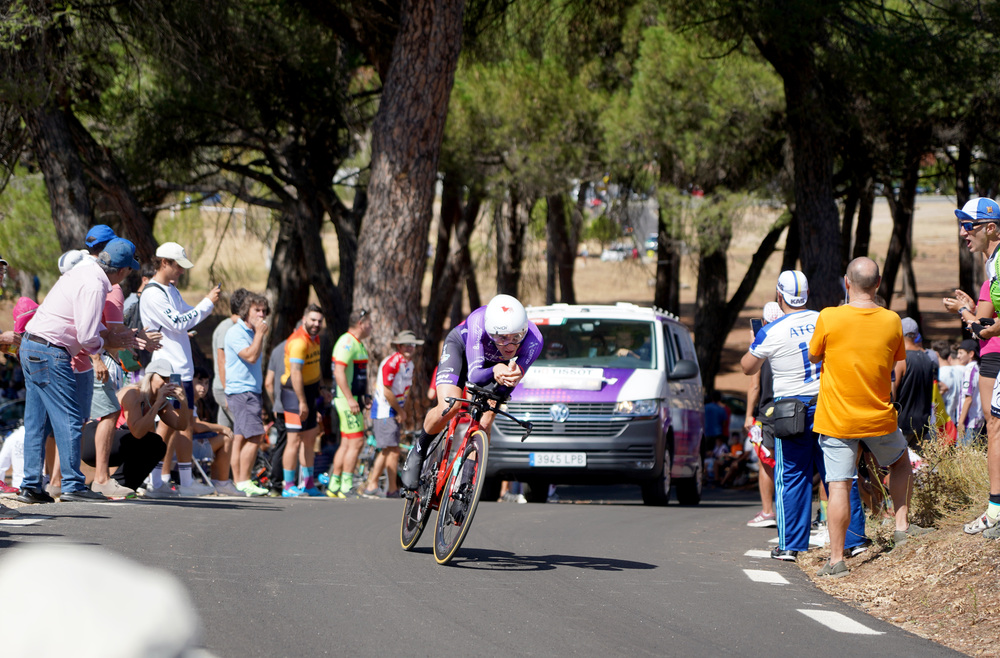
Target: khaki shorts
x=105, y=400
x=840, y=456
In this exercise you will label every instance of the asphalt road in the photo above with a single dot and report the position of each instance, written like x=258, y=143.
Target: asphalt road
x=316, y=577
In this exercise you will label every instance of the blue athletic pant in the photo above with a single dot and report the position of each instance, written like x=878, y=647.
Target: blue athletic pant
x=796, y=460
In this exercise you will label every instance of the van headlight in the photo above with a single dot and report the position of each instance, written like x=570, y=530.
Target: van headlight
x=638, y=408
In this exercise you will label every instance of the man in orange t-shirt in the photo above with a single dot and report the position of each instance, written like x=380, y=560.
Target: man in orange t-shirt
x=300, y=388
x=859, y=344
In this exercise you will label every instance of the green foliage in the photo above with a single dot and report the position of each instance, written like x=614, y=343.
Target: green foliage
x=27, y=236
x=604, y=229
x=705, y=223
x=537, y=225
x=690, y=120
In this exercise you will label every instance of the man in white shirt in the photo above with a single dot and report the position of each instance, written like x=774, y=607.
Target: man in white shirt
x=162, y=309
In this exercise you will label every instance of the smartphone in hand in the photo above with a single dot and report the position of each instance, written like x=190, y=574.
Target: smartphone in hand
x=756, y=324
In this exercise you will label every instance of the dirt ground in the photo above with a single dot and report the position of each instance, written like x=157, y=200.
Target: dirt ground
x=943, y=586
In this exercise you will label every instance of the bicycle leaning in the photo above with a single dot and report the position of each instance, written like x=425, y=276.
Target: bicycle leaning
x=453, y=488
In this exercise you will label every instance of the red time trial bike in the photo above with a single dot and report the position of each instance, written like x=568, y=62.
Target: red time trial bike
x=453, y=487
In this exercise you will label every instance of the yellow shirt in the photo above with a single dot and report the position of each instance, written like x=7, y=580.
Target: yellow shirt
x=303, y=349
x=860, y=347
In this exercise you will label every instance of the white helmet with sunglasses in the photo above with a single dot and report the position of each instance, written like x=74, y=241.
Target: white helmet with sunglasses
x=505, y=316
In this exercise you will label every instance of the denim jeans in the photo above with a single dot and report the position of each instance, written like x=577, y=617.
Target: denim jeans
x=54, y=397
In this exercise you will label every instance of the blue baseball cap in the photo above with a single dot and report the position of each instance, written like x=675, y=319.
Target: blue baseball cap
x=979, y=209
x=98, y=234
x=119, y=253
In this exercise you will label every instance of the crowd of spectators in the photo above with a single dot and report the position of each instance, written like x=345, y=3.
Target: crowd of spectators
x=868, y=396
x=111, y=387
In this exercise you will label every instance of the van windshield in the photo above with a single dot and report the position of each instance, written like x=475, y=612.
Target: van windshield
x=578, y=342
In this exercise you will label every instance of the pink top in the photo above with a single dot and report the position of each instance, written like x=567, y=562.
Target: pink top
x=70, y=316
x=23, y=311
x=993, y=344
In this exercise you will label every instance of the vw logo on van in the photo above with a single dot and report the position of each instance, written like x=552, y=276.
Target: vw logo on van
x=559, y=412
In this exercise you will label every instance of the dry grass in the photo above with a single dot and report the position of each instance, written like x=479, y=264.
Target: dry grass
x=942, y=586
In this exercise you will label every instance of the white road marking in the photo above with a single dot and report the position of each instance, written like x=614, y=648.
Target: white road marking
x=769, y=577
x=24, y=520
x=754, y=553
x=838, y=622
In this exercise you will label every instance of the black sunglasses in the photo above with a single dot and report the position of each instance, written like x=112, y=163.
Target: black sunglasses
x=969, y=225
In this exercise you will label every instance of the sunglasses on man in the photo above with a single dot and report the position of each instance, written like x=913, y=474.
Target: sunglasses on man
x=969, y=225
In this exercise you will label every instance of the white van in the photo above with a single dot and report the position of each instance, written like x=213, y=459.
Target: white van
x=616, y=397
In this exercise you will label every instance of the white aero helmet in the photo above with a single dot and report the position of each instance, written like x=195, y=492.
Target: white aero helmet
x=505, y=315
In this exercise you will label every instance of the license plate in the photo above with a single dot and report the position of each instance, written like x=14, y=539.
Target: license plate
x=571, y=459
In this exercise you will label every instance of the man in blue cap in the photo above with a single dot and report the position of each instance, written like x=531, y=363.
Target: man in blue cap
x=979, y=226
x=67, y=325
x=98, y=236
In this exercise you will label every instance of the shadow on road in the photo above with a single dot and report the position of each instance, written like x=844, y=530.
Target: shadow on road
x=484, y=558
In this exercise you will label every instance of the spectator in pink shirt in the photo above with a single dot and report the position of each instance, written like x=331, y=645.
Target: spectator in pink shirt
x=67, y=323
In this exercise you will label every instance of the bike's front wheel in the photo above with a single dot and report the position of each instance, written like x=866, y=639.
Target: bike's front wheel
x=460, y=497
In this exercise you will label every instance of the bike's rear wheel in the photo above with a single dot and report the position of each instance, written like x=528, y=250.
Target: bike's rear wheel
x=418, y=505
x=460, y=497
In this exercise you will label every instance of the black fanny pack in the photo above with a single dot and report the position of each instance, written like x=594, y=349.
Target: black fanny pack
x=787, y=417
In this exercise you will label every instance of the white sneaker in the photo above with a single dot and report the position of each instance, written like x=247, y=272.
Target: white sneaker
x=982, y=523
x=162, y=491
x=227, y=488
x=195, y=489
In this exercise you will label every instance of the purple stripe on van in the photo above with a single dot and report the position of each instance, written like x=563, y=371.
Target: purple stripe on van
x=609, y=391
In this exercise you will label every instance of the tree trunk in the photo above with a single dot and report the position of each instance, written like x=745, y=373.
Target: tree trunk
x=406, y=144
x=347, y=223
x=815, y=208
x=847, y=224
x=793, y=244
x=446, y=288
x=567, y=257
x=52, y=143
x=668, y=260
x=308, y=220
x=811, y=132
x=716, y=318
x=560, y=254
x=114, y=190
x=900, y=244
x=287, y=282
x=511, y=228
x=710, y=312
x=863, y=235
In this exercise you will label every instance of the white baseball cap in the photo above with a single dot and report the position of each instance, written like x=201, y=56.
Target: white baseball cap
x=174, y=252
x=772, y=311
x=794, y=287
x=71, y=259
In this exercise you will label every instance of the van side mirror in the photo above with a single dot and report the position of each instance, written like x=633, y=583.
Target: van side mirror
x=684, y=369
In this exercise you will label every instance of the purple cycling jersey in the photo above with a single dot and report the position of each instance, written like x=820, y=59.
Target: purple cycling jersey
x=481, y=353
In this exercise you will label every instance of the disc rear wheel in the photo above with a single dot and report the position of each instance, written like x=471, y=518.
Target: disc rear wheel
x=460, y=497
x=418, y=503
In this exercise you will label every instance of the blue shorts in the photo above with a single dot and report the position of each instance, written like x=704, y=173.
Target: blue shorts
x=841, y=455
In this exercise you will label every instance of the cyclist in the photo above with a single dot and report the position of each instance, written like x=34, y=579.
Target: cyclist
x=479, y=351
